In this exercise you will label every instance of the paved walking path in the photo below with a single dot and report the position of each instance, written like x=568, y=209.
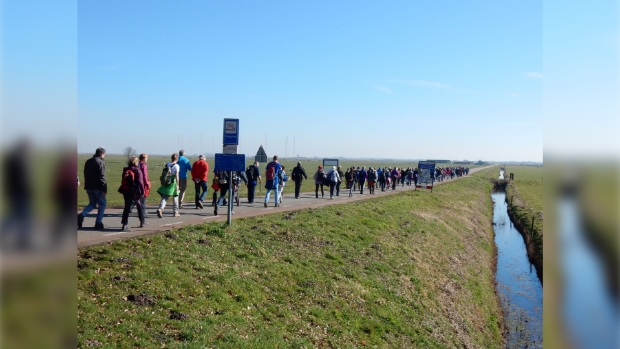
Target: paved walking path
x=190, y=215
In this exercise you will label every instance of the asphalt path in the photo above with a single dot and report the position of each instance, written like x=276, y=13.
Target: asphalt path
x=87, y=235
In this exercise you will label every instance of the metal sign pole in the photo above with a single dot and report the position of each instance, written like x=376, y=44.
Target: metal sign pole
x=230, y=197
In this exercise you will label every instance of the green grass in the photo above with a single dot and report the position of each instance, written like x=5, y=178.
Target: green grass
x=115, y=164
x=408, y=270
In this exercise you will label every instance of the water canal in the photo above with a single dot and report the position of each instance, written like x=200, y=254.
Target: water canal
x=519, y=288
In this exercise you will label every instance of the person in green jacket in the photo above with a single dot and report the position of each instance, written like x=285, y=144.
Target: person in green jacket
x=172, y=189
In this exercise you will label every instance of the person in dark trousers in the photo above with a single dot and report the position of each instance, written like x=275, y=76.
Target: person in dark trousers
x=200, y=173
x=17, y=218
x=96, y=186
x=225, y=185
x=340, y=178
x=299, y=174
x=319, y=177
x=361, y=178
x=132, y=193
x=253, y=175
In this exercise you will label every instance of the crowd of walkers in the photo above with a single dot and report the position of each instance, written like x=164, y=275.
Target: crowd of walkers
x=136, y=185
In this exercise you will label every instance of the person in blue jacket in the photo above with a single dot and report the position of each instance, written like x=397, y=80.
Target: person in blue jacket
x=272, y=173
x=184, y=166
x=361, y=178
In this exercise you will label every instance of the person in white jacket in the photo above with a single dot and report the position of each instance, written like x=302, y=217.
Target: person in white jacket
x=334, y=179
x=281, y=184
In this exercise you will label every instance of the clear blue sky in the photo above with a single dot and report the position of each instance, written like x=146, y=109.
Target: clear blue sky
x=359, y=79
x=398, y=79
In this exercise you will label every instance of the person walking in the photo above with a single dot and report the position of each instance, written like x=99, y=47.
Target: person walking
x=200, y=172
x=319, y=177
x=96, y=186
x=282, y=179
x=298, y=176
x=132, y=188
x=253, y=175
x=395, y=175
x=381, y=178
x=170, y=187
x=361, y=179
x=340, y=177
x=334, y=179
x=372, y=179
x=225, y=186
x=272, y=171
x=351, y=180
x=144, y=158
x=184, y=166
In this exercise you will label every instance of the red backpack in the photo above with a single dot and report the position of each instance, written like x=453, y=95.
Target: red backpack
x=127, y=182
x=270, y=171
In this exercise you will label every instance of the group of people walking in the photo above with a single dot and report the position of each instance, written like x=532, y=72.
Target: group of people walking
x=136, y=185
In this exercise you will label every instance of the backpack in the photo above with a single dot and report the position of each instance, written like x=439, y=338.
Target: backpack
x=249, y=172
x=221, y=175
x=127, y=181
x=372, y=176
x=382, y=176
x=270, y=171
x=166, y=176
x=282, y=177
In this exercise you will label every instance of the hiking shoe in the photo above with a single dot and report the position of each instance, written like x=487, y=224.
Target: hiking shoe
x=176, y=215
x=99, y=226
x=265, y=203
x=199, y=205
x=159, y=213
x=144, y=224
x=80, y=220
x=125, y=227
x=215, y=211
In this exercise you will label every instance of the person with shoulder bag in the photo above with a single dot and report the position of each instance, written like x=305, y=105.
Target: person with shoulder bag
x=340, y=177
x=319, y=180
x=169, y=186
x=334, y=179
x=132, y=188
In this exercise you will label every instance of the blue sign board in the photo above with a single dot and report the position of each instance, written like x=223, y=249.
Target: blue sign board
x=229, y=162
x=231, y=132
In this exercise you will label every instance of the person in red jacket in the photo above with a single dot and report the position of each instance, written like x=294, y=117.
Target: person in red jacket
x=200, y=170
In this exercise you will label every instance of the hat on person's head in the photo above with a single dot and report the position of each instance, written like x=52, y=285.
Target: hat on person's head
x=201, y=157
x=320, y=167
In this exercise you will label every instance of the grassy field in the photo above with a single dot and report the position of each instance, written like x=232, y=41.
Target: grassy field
x=413, y=269
x=115, y=164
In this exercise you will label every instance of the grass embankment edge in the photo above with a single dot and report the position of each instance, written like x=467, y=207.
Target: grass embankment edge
x=529, y=222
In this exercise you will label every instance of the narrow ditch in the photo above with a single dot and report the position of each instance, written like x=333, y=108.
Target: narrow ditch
x=518, y=286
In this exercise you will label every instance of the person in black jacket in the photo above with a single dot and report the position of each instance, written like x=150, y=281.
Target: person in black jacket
x=96, y=187
x=298, y=175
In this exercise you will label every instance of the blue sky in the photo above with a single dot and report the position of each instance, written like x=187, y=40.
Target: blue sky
x=359, y=79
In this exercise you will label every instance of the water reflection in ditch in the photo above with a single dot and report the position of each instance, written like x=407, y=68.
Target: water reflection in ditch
x=590, y=313
x=518, y=285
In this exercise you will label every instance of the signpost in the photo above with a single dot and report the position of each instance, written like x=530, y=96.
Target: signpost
x=426, y=169
x=261, y=157
x=330, y=162
x=230, y=160
x=231, y=132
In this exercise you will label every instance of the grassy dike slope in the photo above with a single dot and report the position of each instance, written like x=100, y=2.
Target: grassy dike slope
x=408, y=270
